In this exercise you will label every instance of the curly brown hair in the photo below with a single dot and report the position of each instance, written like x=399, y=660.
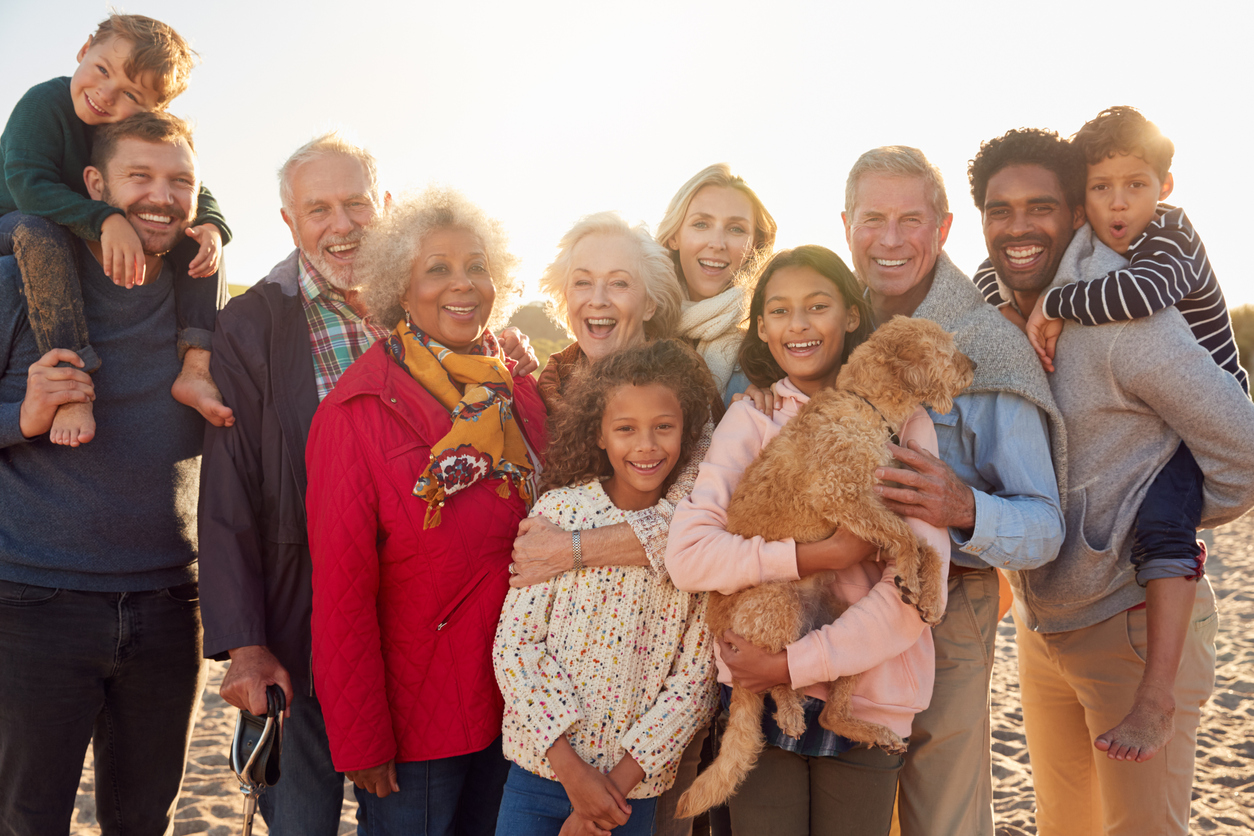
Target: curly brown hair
x=755, y=357
x=1123, y=130
x=1028, y=146
x=573, y=456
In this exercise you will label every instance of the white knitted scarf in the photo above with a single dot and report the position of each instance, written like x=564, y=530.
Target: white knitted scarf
x=715, y=324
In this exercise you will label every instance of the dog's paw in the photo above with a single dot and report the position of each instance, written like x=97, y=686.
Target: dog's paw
x=931, y=615
x=898, y=748
x=791, y=719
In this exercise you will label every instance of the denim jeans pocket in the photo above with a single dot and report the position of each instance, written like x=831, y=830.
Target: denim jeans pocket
x=25, y=594
x=186, y=593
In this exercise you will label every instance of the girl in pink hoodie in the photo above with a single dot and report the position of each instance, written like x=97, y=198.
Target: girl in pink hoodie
x=807, y=314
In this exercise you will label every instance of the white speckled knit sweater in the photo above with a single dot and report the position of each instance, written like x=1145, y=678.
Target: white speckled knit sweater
x=614, y=657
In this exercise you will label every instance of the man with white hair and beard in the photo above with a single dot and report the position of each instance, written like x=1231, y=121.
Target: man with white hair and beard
x=278, y=350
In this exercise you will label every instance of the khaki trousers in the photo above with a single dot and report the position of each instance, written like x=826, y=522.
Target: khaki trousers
x=1078, y=684
x=946, y=784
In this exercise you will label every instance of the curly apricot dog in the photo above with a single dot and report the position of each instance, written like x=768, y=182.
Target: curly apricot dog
x=814, y=477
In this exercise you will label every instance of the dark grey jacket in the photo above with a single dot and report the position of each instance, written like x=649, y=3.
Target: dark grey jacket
x=254, y=554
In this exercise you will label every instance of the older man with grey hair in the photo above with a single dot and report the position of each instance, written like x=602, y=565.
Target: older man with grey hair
x=278, y=350
x=993, y=486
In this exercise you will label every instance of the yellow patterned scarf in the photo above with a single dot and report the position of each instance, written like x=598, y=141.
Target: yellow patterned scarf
x=485, y=442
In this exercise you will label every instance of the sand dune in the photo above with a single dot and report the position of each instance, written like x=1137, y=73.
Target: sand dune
x=1223, y=791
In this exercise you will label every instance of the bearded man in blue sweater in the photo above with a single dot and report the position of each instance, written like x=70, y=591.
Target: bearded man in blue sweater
x=99, y=623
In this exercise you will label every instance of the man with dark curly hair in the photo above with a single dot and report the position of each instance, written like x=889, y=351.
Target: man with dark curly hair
x=1024, y=260
x=1128, y=393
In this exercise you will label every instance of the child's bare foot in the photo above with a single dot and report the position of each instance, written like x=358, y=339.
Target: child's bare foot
x=74, y=424
x=194, y=387
x=201, y=394
x=1146, y=729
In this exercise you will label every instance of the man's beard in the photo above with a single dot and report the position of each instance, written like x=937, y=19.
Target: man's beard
x=339, y=277
x=152, y=241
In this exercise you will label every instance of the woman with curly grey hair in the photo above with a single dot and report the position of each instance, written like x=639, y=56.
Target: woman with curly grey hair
x=421, y=463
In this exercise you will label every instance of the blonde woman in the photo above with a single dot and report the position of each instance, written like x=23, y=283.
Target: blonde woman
x=715, y=225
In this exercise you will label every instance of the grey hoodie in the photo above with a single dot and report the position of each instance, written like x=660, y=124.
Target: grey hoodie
x=1129, y=392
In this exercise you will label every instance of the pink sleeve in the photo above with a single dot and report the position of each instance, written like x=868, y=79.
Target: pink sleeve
x=879, y=626
x=700, y=554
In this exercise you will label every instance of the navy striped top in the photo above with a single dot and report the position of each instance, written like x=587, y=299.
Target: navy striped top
x=1167, y=265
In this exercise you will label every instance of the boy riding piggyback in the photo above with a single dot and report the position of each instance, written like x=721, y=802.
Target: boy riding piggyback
x=131, y=64
x=1128, y=175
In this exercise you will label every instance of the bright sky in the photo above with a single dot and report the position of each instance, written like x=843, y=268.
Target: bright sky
x=546, y=111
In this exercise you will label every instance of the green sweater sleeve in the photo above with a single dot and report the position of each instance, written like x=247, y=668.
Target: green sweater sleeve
x=43, y=151
x=209, y=212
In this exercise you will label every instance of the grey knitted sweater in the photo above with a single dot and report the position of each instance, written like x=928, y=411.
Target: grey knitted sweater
x=1004, y=359
x=1129, y=392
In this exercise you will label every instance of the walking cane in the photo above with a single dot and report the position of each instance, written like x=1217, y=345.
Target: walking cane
x=255, y=751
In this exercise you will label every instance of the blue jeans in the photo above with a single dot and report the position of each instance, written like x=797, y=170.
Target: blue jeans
x=535, y=806
x=121, y=670
x=1164, y=540
x=456, y=796
x=308, y=798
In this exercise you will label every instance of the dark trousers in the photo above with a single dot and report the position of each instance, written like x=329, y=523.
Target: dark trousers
x=1164, y=541
x=787, y=794
x=47, y=256
x=308, y=798
x=121, y=670
x=457, y=796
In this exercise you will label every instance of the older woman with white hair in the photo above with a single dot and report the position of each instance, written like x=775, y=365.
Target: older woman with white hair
x=421, y=465
x=613, y=287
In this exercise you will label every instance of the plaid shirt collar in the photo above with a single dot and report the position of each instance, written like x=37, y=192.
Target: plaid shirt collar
x=314, y=285
x=338, y=335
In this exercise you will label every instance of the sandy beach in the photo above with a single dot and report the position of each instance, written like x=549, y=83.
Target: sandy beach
x=1223, y=789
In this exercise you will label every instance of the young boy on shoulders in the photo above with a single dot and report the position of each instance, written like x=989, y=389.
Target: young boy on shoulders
x=131, y=64
x=1128, y=175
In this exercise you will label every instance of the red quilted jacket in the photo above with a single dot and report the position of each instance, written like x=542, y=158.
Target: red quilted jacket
x=403, y=619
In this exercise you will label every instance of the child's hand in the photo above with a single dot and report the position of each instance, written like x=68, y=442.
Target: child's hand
x=577, y=825
x=1043, y=334
x=595, y=798
x=205, y=263
x=122, y=255
x=593, y=795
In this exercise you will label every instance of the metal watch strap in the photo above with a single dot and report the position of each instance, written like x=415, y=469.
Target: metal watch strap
x=578, y=550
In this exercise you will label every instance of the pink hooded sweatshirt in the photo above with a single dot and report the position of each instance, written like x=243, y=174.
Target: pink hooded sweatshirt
x=878, y=636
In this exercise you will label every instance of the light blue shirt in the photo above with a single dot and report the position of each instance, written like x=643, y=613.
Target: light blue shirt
x=998, y=443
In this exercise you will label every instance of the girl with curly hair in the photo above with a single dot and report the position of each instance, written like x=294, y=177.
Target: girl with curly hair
x=607, y=672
